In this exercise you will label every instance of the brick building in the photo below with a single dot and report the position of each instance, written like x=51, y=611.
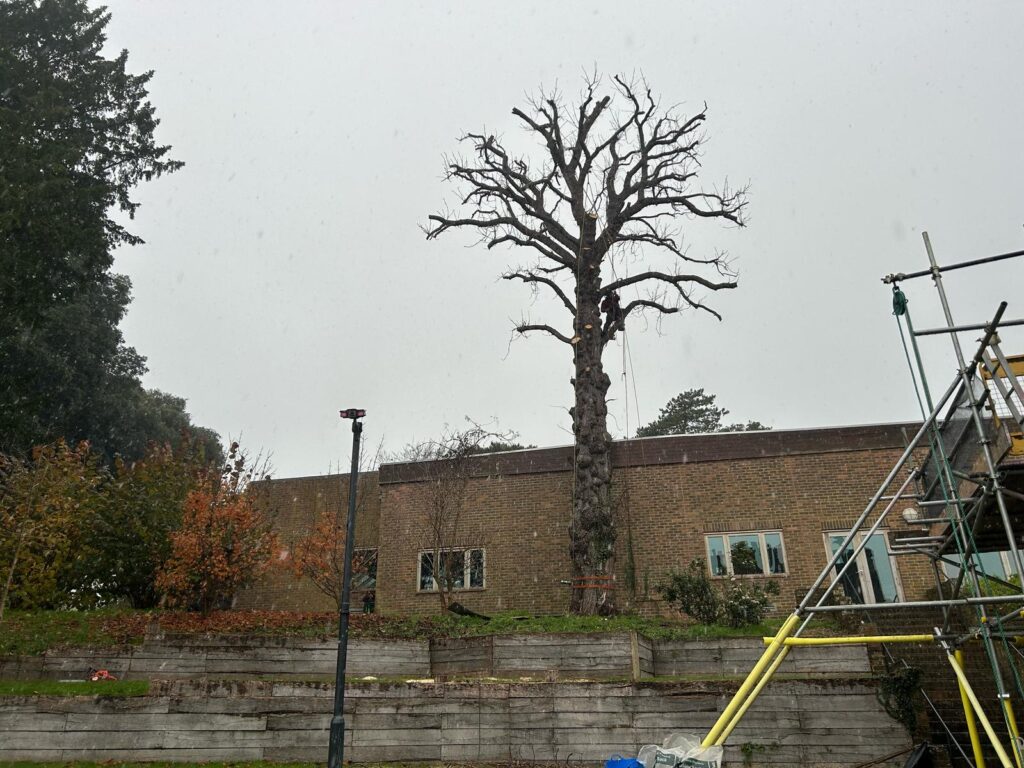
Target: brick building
x=757, y=505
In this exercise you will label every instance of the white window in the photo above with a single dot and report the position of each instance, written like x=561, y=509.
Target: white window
x=873, y=577
x=458, y=569
x=746, y=554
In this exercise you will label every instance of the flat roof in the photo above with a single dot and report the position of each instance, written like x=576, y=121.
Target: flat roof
x=679, y=449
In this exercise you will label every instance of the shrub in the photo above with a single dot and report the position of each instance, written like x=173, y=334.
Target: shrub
x=129, y=537
x=739, y=604
x=223, y=543
x=46, y=503
x=692, y=592
x=746, y=604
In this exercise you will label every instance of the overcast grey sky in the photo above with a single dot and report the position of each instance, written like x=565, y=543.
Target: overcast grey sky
x=285, y=275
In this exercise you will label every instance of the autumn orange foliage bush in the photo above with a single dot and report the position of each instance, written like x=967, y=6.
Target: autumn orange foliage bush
x=224, y=541
x=320, y=557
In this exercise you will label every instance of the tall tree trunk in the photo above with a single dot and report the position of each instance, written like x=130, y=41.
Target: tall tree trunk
x=592, y=531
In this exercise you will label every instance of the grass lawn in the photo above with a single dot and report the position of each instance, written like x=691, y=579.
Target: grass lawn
x=118, y=688
x=31, y=633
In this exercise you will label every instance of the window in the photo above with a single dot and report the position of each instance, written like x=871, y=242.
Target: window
x=872, y=577
x=995, y=564
x=465, y=569
x=364, y=569
x=746, y=554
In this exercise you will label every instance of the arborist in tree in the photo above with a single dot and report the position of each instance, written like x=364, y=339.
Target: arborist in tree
x=613, y=314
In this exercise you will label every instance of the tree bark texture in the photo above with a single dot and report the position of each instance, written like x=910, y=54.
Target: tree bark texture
x=592, y=528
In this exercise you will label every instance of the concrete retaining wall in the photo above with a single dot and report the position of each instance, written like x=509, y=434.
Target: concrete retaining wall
x=806, y=723
x=594, y=656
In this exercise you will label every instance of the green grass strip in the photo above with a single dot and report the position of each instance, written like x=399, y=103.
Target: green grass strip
x=120, y=688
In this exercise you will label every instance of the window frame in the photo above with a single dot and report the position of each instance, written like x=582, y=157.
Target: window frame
x=862, y=571
x=466, y=569
x=763, y=547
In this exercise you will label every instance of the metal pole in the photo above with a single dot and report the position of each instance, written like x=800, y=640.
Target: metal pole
x=861, y=545
x=965, y=686
x=336, y=748
x=917, y=604
x=907, y=453
x=965, y=328
x=900, y=277
x=972, y=724
x=965, y=374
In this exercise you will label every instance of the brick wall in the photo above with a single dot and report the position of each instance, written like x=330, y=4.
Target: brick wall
x=672, y=491
x=293, y=504
x=521, y=522
x=672, y=507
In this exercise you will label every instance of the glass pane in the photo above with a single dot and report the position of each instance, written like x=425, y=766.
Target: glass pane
x=991, y=564
x=883, y=581
x=745, y=553
x=453, y=569
x=364, y=569
x=427, y=571
x=851, y=579
x=716, y=556
x=476, y=568
x=776, y=557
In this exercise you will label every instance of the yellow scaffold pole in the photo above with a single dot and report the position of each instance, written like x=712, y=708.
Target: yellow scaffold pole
x=853, y=640
x=755, y=674
x=765, y=679
x=965, y=687
x=1011, y=718
x=972, y=725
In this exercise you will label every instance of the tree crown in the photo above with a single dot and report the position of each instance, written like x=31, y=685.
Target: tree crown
x=694, y=412
x=618, y=158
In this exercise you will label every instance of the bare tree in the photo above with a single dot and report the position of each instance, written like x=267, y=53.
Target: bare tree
x=614, y=177
x=447, y=466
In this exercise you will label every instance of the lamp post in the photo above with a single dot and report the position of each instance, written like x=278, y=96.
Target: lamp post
x=336, y=749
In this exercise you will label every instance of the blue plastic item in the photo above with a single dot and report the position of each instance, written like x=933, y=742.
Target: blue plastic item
x=618, y=761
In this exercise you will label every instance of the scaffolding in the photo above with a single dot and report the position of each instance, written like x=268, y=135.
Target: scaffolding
x=961, y=479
